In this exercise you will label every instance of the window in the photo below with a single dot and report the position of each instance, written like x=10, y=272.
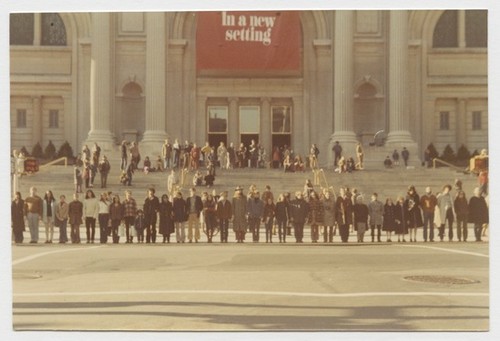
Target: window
x=476, y=120
x=463, y=28
x=476, y=28
x=217, y=119
x=249, y=119
x=444, y=120
x=54, y=119
x=22, y=28
x=50, y=28
x=217, y=125
x=281, y=119
x=21, y=118
x=446, y=30
x=53, y=30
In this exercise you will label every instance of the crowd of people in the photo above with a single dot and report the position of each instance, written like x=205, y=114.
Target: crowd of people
x=323, y=209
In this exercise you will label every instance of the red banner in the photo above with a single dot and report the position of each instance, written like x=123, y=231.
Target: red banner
x=265, y=40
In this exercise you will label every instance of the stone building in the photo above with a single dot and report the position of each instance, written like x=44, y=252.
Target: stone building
x=279, y=77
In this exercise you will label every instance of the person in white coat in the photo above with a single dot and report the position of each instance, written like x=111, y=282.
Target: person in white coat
x=90, y=212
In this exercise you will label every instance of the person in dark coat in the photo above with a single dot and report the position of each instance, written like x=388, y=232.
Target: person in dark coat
x=299, y=210
x=239, y=214
x=316, y=215
x=344, y=214
x=116, y=215
x=478, y=213
x=75, y=212
x=268, y=218
x=462, y=211
x=17, y=216
x=151, y=207
x=180, y=216
x=389, y=224
x=405, y=154
x=166, y=218
x=414, y=212
x=210, y=215
x=376, y=213
x=139, y=226
x=401, y=216
x=255, y=210
x=281, y=215
x=361, y=213
x=224, y=214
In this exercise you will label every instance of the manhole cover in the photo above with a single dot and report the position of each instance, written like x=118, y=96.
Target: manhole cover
x=441, y=279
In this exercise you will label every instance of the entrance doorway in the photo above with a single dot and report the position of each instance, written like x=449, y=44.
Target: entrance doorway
x=214, y=140
x=246, y=139
x=281, y=140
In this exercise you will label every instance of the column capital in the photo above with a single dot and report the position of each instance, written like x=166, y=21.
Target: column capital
x=265, y=100
x=233, y=99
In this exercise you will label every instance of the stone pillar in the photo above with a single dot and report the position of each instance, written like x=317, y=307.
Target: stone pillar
x=398, y=79
x=37, y=22
x=179, y=124
x=343, y=82
x=233, y=122
x=461, y=28
x=70, y=125
x=154, y=134
x=100, y=82
x=265, y=124
x=37, y=121
x=461, y=123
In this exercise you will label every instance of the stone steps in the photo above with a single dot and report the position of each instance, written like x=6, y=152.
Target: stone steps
x=387, y=182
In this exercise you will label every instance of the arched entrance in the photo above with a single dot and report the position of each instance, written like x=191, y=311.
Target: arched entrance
x=130, y=122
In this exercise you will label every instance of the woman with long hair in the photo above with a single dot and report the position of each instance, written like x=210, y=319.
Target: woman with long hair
x=90, y=212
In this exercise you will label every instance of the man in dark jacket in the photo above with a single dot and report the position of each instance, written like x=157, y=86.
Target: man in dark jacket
x=255, y=209
x=478, y=213
x=344, y=214
x=151, y=207
x=224, y=213
x=299, y=210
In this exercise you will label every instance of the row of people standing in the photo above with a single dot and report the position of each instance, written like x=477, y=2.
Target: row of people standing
x=322, y=211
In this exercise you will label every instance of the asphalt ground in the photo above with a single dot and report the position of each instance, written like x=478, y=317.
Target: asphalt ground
x=252, y=287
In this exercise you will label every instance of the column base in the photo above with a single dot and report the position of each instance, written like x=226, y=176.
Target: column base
x=348, y=142
x=104, y=139
x=399, y=137
x=152, y=143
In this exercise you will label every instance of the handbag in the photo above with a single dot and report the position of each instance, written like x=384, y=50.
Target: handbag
x=121, y=230
x=133, y=231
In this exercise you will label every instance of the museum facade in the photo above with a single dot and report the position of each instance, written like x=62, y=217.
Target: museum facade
x=279, y=77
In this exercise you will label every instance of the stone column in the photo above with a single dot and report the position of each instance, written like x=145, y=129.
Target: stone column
x=233, y=134
x=37, y=120
x=343, y=82
x=461, y=123
x=461, y=28
x=100, y=82
x=179, y=124
x=398, y=79
x=265, y=124
x=155, y=134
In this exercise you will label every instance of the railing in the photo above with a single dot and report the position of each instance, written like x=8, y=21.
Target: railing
x=459, y=169
x=51, y=163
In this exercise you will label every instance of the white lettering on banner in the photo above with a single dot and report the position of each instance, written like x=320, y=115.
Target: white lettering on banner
x=252, y=29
